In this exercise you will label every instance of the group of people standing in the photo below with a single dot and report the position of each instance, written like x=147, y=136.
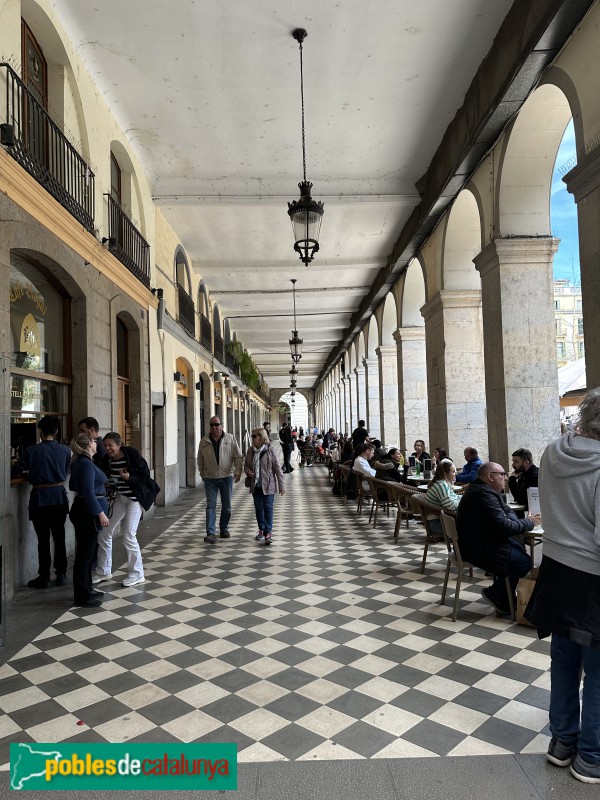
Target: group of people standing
x=112, y=485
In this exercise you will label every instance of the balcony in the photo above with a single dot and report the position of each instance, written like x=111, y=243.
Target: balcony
x=218, y=350
x=36, y=142
x=187, y=314
x=232, y=365
x=126, y=243
x=205, y=333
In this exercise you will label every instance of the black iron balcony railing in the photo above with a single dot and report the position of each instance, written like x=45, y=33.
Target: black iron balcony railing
x=232, y=364
x=126, y=243
x=187, y=314
x=36, y=142
x=205, y=333
x=218, y=350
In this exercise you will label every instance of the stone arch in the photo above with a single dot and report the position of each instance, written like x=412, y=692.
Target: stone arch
x=372, y=337
x=185, y=400
x=527, y=157
x=203, y=304
x=389, y=320
x=462, y=241
x=127, y=375
x=181, y=270
x=413, y=296
x=51, y=42
x=132, y=200
x=216, y=320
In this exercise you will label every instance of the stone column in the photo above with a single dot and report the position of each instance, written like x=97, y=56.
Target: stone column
x=336, y=408
x=521, y=379
x=412, y=386
x=584, y=184
x=455, y=372
x=348, y=427
x=361, y=394
x=387, y=356
x=373, y=402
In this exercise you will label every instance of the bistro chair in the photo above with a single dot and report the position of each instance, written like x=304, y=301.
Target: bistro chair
x=455, y=560
x=379, y=498
x=400, y=494
x=362, y=493
x=428, y=512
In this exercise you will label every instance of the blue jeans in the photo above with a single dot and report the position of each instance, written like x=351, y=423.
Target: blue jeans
x=224, y=487
x=263, y=505
x=518, y=566
x=569, y=659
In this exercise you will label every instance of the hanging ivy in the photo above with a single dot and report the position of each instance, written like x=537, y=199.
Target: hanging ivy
x=248, y=371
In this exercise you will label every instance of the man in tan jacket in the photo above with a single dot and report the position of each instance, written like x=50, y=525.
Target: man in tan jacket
x=220, y=464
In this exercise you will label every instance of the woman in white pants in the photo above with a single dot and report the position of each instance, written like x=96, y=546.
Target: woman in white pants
x=128, y=472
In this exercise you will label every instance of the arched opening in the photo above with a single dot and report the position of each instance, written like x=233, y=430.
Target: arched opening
x=186, y=313
x=412, y=362
x=387, y=357
x=218, y=349
x=296, y=412
x=204, y=403
x=372, y=380
x=203, y=311
x=127, y=365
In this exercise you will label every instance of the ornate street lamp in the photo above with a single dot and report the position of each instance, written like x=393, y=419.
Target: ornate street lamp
x=295, y=341
x=306, y=214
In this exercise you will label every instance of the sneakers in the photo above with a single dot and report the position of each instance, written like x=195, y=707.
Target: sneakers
x=560, y=754
x=487, y=595
x=260, y=535
x=584, y=771
x=224, y=534
x=133, y=580
x=99, y=578
x=267, y=539
x=61, y=580
x=210, y=538
x=39, y=583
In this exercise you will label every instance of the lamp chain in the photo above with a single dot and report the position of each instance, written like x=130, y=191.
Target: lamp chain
x=302, y=98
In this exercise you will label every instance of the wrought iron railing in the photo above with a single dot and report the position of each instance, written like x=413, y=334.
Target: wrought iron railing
x=205, y=333
x=218, y=349
x=187, y=314
x=126, y=243
x=232, y=364
x=36, y=142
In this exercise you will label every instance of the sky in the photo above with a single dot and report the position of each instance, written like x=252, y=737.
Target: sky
x=563, y=212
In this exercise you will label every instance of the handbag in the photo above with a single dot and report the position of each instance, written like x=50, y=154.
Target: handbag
x=248, y=481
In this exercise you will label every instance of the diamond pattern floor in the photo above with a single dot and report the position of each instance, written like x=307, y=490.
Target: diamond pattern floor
x=330, y=644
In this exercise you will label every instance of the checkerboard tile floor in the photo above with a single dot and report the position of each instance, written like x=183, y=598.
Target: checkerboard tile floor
x=330, y=644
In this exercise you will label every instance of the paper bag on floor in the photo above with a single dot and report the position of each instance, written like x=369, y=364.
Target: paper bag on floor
x=524, y=592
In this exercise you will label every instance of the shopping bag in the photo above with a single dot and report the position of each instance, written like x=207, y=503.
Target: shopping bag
x=524, y=591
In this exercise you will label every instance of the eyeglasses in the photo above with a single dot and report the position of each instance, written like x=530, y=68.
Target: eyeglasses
x=497, y=473
x=215, y=424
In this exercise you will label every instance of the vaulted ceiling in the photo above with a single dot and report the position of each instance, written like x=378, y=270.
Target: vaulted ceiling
x=208, y=93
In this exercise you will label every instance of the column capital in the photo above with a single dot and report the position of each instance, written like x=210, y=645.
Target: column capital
x=370, y=363
x=387, y=350
x=359, y=371
x=416, y=334
x=516, y=251
x=584, y=178
x=455, y=298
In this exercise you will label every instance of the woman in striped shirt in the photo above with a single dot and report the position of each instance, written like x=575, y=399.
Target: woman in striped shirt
x=440, y=491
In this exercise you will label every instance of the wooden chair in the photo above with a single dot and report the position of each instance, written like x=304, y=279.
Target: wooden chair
x=455, y=560
x=400, y=494
x=428, y=513
x=378, y=499
x=363, y=494
x=346, y=470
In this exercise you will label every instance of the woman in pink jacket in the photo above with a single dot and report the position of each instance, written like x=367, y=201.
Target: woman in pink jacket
x=264, y=477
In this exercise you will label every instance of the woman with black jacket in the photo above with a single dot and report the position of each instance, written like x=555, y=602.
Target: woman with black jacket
x=128, y=473
x=88, y=515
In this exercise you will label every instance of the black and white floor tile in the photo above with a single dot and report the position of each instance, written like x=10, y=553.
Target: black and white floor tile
x=330, y=644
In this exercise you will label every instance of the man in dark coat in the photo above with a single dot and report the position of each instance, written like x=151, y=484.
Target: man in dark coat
x=485, y=526
x=287, y=445
x=524, y=476
x=46, y=465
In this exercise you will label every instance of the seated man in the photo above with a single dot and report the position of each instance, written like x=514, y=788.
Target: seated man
x=485, y=526
x=524, y=476
x=361, y=463
x=468, y=473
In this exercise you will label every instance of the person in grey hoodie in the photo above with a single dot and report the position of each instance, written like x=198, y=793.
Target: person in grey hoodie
x=566, y=598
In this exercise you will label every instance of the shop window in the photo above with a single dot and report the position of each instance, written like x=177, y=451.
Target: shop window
x=123, y=382
x=39, y=347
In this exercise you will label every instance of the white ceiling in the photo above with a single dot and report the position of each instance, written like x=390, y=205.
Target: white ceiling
x=208, y=94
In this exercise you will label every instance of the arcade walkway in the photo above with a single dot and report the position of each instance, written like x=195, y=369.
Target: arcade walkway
x=329, y=650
